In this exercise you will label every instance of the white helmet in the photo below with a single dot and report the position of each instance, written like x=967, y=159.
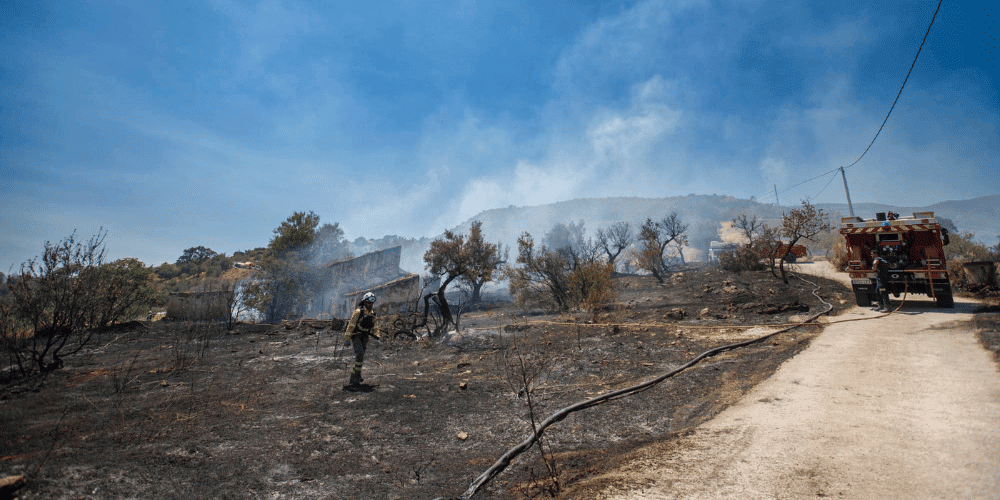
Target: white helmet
x=369, y=297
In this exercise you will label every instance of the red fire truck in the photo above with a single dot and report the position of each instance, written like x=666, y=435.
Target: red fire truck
x=782, y=252
x=911, y=245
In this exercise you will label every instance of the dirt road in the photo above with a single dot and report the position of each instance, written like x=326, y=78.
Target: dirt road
x=903, y=406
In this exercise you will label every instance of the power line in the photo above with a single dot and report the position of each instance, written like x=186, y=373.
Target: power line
x=922, y=42
x=789, y=188
x=902, y=86
x=832, y=177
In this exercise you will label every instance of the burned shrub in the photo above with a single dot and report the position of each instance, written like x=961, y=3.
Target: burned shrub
x=742, y=259
x=57, y=300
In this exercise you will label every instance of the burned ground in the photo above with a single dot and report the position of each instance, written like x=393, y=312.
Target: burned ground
x=987, y=322
x=184, y=410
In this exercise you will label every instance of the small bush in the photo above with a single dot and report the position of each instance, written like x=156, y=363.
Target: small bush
x=590, y=285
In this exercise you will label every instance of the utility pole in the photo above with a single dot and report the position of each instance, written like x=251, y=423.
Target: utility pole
x=776, y=196
x=849, y=205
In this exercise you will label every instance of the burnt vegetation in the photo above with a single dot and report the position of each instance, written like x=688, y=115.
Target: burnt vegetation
x=232, y=409
x=175, y=410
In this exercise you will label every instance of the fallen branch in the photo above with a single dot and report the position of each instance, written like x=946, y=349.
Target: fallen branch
x=505, y=460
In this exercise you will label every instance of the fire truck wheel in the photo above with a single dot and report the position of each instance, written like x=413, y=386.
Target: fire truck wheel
x=945, y=300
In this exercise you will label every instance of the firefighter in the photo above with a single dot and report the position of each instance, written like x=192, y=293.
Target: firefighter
x=881, y=267
x=359, y=328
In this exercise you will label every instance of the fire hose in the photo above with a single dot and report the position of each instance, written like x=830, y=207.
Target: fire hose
x=505, y=460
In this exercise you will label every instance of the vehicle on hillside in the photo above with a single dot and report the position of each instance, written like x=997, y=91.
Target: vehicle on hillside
x=913, y=247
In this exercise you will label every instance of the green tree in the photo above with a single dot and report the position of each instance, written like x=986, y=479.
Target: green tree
x=448, y=258
x=122, y=289
x=288, y=277
x=295, y=233
x=963, y=246
x=330, y=244
x=282, y=289
x=167, y=271
x=195, y=255
x=484, y=260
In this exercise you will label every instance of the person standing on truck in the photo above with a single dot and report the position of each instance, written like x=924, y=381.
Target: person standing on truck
x=881, y=267
x=359, y=328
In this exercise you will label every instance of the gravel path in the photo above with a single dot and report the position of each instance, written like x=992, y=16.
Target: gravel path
x=898, y=407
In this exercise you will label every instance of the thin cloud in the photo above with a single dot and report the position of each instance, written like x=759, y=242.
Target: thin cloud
x=211, y=126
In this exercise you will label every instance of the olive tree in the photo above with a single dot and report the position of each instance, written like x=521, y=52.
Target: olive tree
x=655, y=237
x=454, y=256
x=614, y=239
x=288, y=278
x=540, y=268
x=577, y=279
x=485, y=261
x=802, y=223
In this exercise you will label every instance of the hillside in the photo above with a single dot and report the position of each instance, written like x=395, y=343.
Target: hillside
x=704, y=213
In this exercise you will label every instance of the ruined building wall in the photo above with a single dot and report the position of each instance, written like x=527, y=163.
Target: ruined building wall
x=397, y=296
x=378, y=272
x=365, y=271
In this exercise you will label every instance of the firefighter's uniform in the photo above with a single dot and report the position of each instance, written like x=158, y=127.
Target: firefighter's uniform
x=360, y=326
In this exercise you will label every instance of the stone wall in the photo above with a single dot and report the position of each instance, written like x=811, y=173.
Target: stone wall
x=365, y=271
x=376, y=272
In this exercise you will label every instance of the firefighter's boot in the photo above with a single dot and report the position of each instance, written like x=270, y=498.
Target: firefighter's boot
x=356, y=374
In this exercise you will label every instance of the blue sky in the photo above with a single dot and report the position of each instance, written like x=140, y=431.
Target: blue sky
x=177, y=124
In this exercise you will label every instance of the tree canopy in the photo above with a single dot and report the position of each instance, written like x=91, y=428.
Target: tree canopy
x=195, y=255
x=802, y=223
x=297, y=231
x=472, y=259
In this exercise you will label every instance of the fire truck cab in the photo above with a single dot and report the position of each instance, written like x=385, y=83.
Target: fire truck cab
x=913, y=247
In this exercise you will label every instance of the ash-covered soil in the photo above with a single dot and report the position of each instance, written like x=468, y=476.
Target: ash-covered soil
x=987, y=323
x=185, y=410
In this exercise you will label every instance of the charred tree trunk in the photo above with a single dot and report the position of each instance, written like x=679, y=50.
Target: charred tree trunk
x=657, y=275
x=477, y=288
x=781, y=258
x=446, y=316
